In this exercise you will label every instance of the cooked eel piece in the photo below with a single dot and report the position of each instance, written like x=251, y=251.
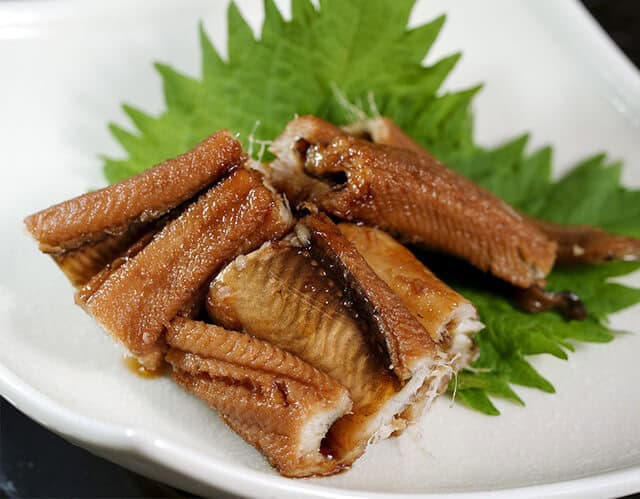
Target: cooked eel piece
x=585, y=244
x=85, y=233
x=577, y=244
x=136, y=301
x=534, y=300
x=397, y=332
x=138, y=199
x=420, y=200
x=277, y=402
x=82, y=263
x=92, y=285
x=192, y=309
x=280, y=294
x=448, y=317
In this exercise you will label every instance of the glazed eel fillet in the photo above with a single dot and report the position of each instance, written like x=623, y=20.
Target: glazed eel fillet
x=284, y=294
x=277, y=402
x=398, y=335
x=85, y=233
x=410, y=195
x=450, y=319
x=137, y=297
x=577, y=244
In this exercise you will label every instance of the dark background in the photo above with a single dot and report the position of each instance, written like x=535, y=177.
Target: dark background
x=37, y=463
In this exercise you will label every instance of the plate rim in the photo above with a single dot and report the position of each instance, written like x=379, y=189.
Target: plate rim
x=113, y=437
x=584, y=34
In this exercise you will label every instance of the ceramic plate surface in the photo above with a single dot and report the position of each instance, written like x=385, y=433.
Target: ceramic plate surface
x=64, y=70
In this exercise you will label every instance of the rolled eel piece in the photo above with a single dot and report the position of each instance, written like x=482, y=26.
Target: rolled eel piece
x=92, y=285
x=450, y=319
x=136, y=301
x=281, y=294
x=421, y=201
x=397, y=332
x=82, y=263
x=275, y=401
x=85, y=233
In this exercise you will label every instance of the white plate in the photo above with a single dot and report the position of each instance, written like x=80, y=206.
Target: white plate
x=65, y=68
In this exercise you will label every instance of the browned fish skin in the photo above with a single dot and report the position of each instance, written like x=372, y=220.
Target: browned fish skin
x=195, y=308
x=144, y=197
x=577, y=244
x=280, y=294
x=440, y=309
x=534, y=300
x=449, y=318
x=274, y=400
x=410, y=194
x=585, y=244
x=402, y=337
x=82, y=263
x=137, y=301
x=98, y=279
x=425, y=202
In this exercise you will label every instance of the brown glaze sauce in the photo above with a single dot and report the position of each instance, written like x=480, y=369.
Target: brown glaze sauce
x=132, y=364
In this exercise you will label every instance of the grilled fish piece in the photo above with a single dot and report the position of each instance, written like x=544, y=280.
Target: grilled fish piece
x=82, y=263
x=448, y=317
x=426, y=203
x=92, y=285
x=279, y=293
x=278, y=403
x=422, y=201
x=398, y=333
x=577, y=244
x=191, y=309
x=585, y=244
x=535, y=300
x=136, y=301
x=85, y=233
x=140, y=198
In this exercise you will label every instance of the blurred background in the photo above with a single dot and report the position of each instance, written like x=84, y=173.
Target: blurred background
x=621, y=20
x=36, y=463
